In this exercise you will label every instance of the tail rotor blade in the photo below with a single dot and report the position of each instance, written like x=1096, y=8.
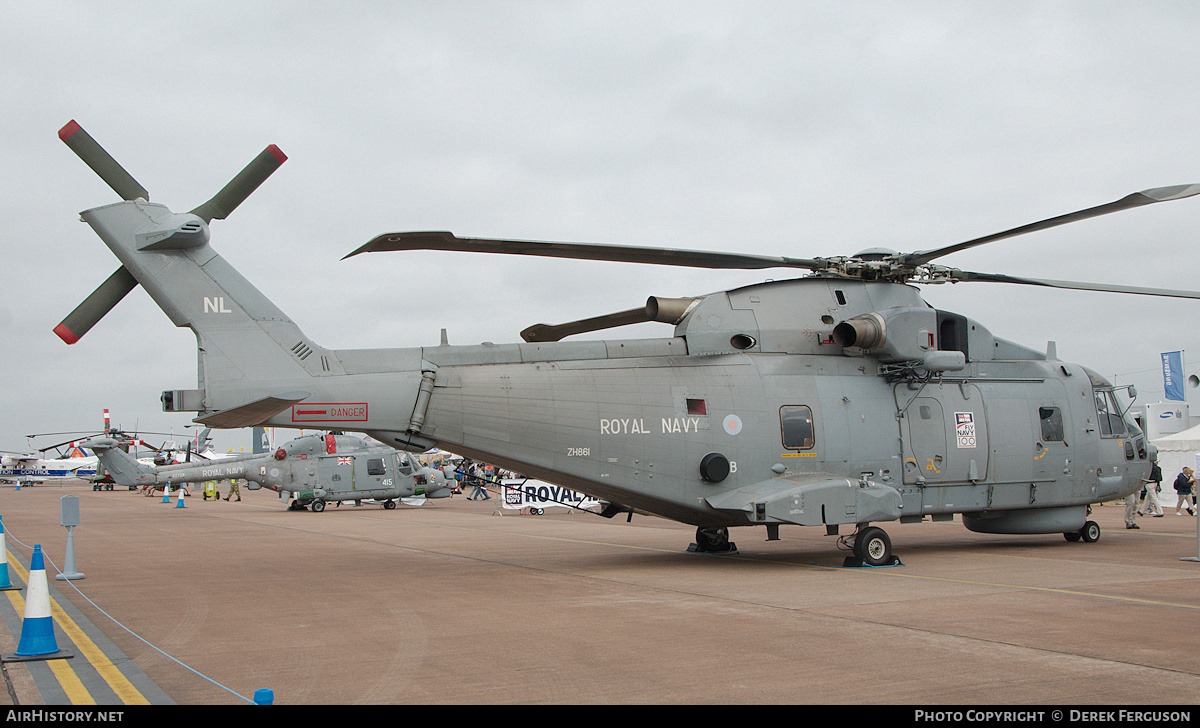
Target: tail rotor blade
x=240, y=187
x=101, y=162
x=93, y=308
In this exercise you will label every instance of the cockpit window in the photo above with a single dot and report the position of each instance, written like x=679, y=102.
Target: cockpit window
x=403, y=464
x=1109, y=414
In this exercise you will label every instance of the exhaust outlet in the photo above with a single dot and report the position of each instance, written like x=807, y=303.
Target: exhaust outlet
x=668, y=310
x=865, y=332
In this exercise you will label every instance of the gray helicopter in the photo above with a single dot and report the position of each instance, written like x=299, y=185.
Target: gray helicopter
x=314, y=469
x=836, y=399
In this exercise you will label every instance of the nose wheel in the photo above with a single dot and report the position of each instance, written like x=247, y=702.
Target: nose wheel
x=1090, y=533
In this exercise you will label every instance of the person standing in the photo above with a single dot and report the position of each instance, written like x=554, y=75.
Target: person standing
x=1183, y=487
x=1131, y=509
x=1153, y=488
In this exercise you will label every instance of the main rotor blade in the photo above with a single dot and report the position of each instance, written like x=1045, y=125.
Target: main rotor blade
x=240, y=187
x=93, y=308
x=1137, y=199
x=556, y=332
x=1074, y=285
x=101, y=162
x=584, y=251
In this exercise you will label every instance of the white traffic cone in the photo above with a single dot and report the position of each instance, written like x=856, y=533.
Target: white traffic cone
x=167, y=493
x=37, y=631
x=179, y=503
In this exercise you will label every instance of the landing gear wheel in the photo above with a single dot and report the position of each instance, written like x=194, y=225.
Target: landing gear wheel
x=317, y=506
x=1073, y=536
x=1090, y=532
x=389, y=505
x=873, y=546
x=713, y=540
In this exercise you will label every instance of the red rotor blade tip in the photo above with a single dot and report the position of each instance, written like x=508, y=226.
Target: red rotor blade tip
x=274, y=150
x=66, y=132
x=65, y=334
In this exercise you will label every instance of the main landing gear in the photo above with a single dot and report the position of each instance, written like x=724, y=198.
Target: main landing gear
x=1090, y=533
x=872, y=547
x=712, y=541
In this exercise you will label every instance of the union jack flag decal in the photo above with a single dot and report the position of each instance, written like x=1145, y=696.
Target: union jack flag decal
x=345, y=461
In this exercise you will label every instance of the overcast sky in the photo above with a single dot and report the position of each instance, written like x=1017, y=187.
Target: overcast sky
x=782, y=128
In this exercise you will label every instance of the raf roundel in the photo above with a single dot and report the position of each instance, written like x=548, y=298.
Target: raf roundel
x=732, y=424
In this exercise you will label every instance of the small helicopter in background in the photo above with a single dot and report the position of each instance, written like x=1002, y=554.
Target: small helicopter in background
x=313, y=470
x=77, y=463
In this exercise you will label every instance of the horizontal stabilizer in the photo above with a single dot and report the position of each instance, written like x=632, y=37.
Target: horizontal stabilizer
x=252, y=413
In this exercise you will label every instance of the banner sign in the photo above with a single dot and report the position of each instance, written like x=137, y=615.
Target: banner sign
x=540, y=494
x=1173, y=375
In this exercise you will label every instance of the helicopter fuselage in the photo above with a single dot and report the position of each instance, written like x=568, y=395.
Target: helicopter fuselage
x=753, y=413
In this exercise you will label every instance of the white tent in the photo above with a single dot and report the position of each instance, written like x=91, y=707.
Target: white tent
x=1175, y=452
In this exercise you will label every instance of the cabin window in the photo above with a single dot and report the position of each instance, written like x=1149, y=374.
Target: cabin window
x=375, y=466
x=796, y=422
x=1052, y=424
x=697, y=407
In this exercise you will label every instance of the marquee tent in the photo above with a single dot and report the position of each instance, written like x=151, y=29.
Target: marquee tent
x=1174, y=453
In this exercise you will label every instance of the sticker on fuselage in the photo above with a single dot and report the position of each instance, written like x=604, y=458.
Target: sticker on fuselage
x=330, y=412
x=964, y=428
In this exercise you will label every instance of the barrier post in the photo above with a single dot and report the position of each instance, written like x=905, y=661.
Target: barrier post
x=5, y=581
x=68, y=507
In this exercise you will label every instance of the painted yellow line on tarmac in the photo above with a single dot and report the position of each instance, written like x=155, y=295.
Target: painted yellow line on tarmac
x=76, y=693
x=120, y=684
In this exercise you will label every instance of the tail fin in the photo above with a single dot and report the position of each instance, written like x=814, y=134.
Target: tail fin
x=262, y=442
x=253, y=360
x=202, y=440
x=123, y=467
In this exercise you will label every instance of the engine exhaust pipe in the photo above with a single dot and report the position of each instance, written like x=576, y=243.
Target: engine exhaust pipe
x=867, y=331
x=668, y=310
